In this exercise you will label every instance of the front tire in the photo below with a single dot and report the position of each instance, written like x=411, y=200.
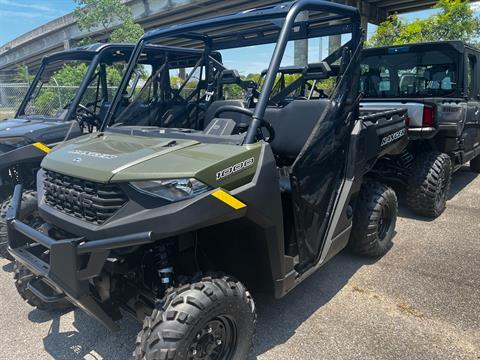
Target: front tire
x=28, y=214
x=22, y=276
x=429, y=184
x=374, y=220
x=213, y=318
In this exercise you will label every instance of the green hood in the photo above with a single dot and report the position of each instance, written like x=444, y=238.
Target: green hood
x=111, y=157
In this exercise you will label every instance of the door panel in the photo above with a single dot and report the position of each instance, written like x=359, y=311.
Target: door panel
x=319, y=171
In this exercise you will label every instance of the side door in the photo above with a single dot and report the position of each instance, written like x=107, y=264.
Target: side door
x=318, y=176
x=471, y=133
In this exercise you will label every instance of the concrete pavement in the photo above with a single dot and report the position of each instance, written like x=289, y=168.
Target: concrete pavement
x=420, y=301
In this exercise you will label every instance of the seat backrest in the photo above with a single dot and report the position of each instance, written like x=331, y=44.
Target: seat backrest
x=175, y=116
x=237, y=117
x=293, y=125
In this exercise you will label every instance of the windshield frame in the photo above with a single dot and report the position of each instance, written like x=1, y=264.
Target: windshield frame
x=93, y=56
x=93, y=59
x=171, y=58
x=286, y=12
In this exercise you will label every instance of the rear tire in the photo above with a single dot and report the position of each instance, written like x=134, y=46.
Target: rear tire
x=28, y=214
x=22, y=276
x=374, y=220
x=213, y=316
x=475, y=164
x=429, y=184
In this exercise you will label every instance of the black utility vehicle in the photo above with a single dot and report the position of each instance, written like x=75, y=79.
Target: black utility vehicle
x=50, y=113
x=439, y=84
x=148, y=215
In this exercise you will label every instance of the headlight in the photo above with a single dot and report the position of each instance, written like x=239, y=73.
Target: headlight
x=172, y=189
x=10, y=143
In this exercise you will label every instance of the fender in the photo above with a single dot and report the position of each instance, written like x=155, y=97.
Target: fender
x=26, y=154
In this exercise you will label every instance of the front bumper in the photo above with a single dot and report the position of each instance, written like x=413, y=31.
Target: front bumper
x=71, y=262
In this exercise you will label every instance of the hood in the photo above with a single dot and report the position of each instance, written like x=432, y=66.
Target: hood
x=98, y=157
x=21, y=127
x=104, y=157
x=35, y=130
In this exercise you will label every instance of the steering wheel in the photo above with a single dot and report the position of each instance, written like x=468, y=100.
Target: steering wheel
x=91, y=119
x=263, y=124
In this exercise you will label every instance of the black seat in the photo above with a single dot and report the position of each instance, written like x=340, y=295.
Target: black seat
x=293, y=125
x=237, y=117
x=142, y=114
x=175, y=116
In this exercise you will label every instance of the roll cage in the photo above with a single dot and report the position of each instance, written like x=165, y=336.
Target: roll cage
x=305, y=82
x=272, y=24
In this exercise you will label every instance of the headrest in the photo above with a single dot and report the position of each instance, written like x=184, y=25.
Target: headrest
x=229, y=77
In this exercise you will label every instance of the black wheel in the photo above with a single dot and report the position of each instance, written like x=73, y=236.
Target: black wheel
x=28, y=214
x=213, y=318
x=429, y=184
x=374, y=220
x=475, y=164
x=22, y=276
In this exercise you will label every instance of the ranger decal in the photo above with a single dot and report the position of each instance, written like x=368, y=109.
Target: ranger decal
x=231, y=170
x=392, y=137
x=93, y=154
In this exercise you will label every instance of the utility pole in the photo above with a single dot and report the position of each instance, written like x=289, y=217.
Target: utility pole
x=300, y=55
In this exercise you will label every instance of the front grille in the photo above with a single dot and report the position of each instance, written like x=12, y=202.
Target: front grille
x=86, y=200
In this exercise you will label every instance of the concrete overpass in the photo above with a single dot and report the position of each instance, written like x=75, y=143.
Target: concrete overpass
x=62, y=33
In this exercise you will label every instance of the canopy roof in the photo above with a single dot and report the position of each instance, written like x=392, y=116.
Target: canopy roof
x=259, y=26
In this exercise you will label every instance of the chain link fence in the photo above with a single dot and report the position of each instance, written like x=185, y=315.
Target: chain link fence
x=51, y=101
x=11, y=95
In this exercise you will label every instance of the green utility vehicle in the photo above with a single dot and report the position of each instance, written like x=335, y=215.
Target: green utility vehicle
x=184, y=198
x=438, y=83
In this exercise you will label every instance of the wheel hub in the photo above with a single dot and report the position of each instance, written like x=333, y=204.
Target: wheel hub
x=215, y=341
x=384, y=222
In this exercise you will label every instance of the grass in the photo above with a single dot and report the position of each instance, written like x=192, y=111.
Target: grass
x=6, y=113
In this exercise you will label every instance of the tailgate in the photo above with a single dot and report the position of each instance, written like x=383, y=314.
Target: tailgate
x=386, y=129
x=414, y=109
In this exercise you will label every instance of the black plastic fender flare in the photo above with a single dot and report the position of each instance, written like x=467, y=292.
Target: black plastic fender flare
x=31, y=153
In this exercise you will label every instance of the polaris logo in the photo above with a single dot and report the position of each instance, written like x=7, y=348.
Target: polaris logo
x=393, y=137
x=231, y=170
x=92, y=154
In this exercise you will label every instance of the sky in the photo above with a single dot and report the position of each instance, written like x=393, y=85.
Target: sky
x=20, y=16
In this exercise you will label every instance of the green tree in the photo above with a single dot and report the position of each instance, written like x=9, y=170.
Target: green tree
x=103, y=15
x=69, y=77
x=22, y=75
x=455, y=20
